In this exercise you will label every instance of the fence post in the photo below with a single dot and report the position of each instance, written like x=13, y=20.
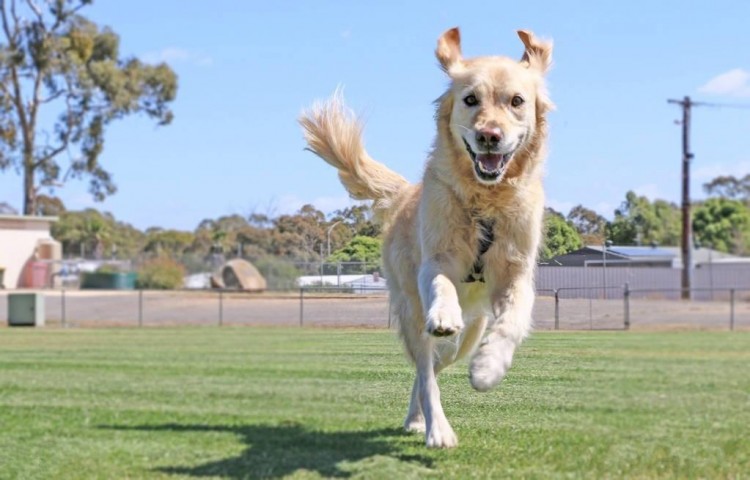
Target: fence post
x=626, y=298
x=140, y=307
x=557, y=309
x=62, y=309
x=731, y=310
x=221, y=307
x=301, y=305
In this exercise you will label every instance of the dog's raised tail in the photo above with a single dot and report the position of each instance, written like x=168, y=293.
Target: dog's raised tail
x=334, y=133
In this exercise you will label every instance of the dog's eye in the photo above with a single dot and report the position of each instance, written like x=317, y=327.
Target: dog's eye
x=471, y=100
x=517, y=101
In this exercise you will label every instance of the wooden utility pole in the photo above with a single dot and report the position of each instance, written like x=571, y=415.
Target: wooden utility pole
x=687, y=228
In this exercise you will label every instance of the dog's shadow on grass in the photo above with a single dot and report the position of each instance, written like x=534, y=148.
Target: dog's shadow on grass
x=276, y=451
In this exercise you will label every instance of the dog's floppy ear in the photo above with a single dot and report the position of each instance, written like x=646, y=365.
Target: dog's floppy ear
x=538, y=53
x=448, y=51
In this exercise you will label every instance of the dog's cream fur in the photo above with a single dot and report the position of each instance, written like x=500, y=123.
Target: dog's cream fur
x=432, y=229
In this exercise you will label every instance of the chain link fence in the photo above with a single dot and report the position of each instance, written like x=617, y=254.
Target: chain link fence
x=355, y=294
x=554, y=309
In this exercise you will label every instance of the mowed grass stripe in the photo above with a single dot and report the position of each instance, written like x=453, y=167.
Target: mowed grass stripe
x=309, y=403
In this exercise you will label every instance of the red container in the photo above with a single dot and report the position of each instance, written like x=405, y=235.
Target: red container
x=37, y=274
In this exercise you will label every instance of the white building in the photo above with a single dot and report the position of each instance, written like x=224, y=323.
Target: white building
x=357, y=283
x=23, y=240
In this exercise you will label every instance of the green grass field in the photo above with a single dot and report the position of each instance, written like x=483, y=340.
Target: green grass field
x=309, y=403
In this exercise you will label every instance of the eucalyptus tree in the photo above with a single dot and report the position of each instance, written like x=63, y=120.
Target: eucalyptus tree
x=62, y=82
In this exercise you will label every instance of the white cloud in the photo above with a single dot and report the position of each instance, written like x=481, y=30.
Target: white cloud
x=606, y=209
x=292, y=203
x=81, y=201
x=560, y=206
x=709, y=172
x=650, y=191
x=734, y=83
x=178, y=55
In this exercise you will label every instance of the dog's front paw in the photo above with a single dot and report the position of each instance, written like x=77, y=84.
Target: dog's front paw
x=444, y=319
x=490, y=363
x=441, y=435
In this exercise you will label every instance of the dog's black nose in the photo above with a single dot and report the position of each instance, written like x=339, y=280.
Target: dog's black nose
x=489, y=137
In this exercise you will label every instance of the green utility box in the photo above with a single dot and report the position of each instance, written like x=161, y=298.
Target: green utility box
x=25, y=310
x=109, y=281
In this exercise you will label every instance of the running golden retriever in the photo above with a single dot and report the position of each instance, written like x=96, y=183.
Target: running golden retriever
x=460, y=247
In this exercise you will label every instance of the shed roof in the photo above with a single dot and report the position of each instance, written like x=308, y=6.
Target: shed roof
x=25, y=221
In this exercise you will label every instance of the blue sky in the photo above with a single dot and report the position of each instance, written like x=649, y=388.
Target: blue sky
x=247, y=69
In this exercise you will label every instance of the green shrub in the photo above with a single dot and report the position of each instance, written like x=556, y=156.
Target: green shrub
x=280, y=274
x=109, y=268
x=160, y=274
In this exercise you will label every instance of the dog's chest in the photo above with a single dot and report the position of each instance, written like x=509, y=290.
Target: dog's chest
x=485, y=237
x=496, y=243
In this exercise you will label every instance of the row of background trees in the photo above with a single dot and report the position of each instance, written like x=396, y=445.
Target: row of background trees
x=722, y=221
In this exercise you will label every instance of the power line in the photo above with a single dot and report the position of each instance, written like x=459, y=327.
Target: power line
x=742, y=106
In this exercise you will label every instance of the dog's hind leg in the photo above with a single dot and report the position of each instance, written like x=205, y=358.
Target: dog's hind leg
x=438, y=432
x=409, y=325
x=414, y=421
x=425, y=411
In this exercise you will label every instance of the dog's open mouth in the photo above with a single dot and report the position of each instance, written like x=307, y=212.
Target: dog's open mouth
x=488, y=166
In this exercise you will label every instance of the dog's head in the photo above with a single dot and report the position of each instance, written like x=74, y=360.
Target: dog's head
x=494, y=104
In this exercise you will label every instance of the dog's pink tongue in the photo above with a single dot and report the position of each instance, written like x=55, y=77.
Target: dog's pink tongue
x=489, y=161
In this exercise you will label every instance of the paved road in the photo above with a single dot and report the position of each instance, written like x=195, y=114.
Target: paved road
x=92, y=308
